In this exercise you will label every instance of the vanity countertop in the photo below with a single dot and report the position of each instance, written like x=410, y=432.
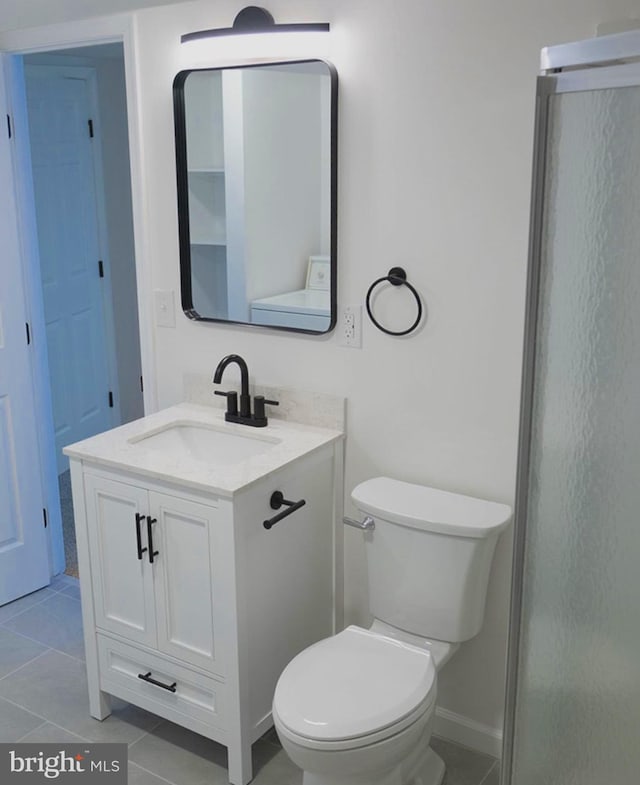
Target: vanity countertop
x=124, y=448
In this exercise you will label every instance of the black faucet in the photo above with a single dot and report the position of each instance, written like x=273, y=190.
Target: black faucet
x=244, y=416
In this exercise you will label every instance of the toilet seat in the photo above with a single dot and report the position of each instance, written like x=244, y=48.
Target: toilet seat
x=354, y=689
x=357, y=743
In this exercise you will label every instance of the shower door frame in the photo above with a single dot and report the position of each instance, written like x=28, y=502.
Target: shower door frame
x=596, y=64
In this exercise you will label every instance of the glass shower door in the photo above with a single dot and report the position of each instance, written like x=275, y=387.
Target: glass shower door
x=574, y=709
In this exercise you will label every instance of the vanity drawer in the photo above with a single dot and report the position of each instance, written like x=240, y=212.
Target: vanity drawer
x=185, y=694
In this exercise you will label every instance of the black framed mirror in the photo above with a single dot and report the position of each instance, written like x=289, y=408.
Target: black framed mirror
x=256, y=157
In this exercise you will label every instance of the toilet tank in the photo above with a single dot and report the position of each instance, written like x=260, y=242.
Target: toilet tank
x=429, y=556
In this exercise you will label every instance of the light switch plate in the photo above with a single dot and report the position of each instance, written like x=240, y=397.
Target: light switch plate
x=165, y=309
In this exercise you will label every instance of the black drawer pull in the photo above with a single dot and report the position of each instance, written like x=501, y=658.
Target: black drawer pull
x=147, y=677
x=276, y=501
x=150, y=522
x=141, y=550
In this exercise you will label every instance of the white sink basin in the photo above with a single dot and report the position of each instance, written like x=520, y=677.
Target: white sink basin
x=206, y=443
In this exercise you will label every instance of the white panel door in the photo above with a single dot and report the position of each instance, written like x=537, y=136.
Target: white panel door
x=24, y=564
x=67, y=218
x=118, y=545
x=188, y=579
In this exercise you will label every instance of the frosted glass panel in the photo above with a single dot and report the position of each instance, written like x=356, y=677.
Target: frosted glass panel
x=578, y=700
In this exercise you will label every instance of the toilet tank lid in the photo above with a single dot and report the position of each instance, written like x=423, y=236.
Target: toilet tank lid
x=430, y=509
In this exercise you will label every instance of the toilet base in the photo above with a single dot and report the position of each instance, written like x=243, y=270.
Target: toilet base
x=429, y=769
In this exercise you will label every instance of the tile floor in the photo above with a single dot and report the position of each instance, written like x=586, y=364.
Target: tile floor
x=43, y=698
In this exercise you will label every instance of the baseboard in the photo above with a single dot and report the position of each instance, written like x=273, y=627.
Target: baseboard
x=467, y=732
x=261, y=727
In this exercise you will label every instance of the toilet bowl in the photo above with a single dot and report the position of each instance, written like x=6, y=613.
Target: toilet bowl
x=358, y=708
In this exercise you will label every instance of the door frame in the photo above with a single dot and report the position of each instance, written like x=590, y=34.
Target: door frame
x=118, y=28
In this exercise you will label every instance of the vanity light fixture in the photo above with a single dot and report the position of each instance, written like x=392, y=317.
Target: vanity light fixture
x=252, y=20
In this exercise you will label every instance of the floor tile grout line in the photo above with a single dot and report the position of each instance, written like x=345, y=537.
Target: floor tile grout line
x=59, y=727
x=36, y=604
x=60, y=588
x=24, y=708
x=48, y=647
x=73, y=656
x=33, y=730
x=63, y=593
x=66, y=593
x=486, y=776
x=24, y=664
x=26, y=637
x=63, y=587
x=148, y=771
x=147, y=732
x=46, y=721
x=70, y=656
x=73, y=733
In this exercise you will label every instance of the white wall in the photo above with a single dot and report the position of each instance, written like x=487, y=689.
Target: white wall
x=435, y=138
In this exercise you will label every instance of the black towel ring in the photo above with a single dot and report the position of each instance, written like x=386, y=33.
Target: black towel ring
x=396, y=277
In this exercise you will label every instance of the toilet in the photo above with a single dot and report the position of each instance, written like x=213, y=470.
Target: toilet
x=358, y=708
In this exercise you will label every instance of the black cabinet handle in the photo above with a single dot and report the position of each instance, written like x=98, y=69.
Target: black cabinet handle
x=276, y=501
x=150, y=522
x=141, y=550
x=147, y=677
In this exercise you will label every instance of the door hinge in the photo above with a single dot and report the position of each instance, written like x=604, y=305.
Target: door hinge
x=44, y=516
x=100, y=268
x=9, y=126
x=141, y=385
x=26, y=324
x=110, y=399
x=90, y=124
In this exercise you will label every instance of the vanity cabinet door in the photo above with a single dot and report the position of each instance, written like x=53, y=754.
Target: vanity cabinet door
x=188, y=579
x=122, y=583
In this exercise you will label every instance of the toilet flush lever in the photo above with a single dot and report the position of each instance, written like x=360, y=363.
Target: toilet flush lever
x=368, y=524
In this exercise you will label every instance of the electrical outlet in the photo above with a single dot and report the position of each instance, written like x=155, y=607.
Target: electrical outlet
x=350, y=326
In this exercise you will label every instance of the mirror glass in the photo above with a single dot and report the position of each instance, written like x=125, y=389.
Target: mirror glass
x=256, y=174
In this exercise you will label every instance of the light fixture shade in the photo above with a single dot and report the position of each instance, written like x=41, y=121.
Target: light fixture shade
x=254, y=19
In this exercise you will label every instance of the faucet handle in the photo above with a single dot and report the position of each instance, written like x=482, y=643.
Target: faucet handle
x=232, y=400
x=259, y=415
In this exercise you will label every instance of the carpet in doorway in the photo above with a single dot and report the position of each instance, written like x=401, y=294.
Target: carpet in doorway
x=68, y=527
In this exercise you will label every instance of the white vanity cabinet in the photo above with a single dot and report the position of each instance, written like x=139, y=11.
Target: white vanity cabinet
x=166, y=603
x=191, y=607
